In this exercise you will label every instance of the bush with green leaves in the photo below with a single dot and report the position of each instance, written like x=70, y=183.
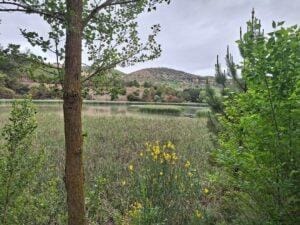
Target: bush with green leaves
x=28, y=195
x=192, y=94
x=259, y=140
x=6, y=93
x=134, y=97
x=133, y=83
x=16, y=163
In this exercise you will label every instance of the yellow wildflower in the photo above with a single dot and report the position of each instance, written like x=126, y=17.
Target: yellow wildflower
x=170, y=145
x=161, y=173
x=130, y=167
x=141, y=154
x=135, y=209
x=174, y=156
x=198, y=214
x=167, y=156
x=205, y=190
x=190, y=174
x=137, y=205
x=187, y=164
x=156, y=150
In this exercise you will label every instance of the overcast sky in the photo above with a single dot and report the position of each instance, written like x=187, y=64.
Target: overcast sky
x=193, y=31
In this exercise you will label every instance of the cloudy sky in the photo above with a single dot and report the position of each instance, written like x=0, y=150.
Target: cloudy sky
x=193, y=31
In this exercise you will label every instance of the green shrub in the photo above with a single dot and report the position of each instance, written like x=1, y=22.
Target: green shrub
x=31, y=192
x=6, y=93
x=40, y=92
x=17, y=166
x=133, y=83
x=191, y=94
x=147, y=84
x=134, y=97
x=259, y=140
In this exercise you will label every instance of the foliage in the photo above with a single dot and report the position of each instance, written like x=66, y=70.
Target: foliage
x=13, y=65
x=133, y=83
x=16, y=163
x=28, y=195
x=220, y=76
x=6, y=93
x=165, y=188
x=40, y=92
x=106, y=161
x=259, y=139
x=148, y=94
x=213, y=100
x=110, y=82
x=147, y=84
x=135, y=96
x=162, y=93
x=192, y=94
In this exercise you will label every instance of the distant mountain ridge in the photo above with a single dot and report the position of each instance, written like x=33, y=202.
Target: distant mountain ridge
x=165, y=75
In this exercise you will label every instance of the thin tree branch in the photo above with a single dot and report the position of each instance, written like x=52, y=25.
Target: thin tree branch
x=107, y=3
x=96, y=10
x=110, y=66
x=101, y=69
x=30, y=9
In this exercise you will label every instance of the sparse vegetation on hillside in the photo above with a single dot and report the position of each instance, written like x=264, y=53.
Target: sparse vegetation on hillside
x=167, y=76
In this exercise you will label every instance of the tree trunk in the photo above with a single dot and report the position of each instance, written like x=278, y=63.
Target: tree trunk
x=74, y=174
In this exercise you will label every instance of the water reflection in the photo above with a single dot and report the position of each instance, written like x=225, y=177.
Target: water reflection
x=103, y=110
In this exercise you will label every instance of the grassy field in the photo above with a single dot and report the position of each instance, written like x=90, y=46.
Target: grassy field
x=119, y=137
x=111, y=144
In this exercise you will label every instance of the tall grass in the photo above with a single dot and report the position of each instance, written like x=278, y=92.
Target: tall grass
x=165, y=110
x=111, y=143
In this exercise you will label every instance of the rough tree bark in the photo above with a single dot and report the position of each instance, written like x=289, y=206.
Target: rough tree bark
x=74, y=174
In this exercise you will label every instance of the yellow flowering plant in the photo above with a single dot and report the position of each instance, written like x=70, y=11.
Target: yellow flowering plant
x=166, y=185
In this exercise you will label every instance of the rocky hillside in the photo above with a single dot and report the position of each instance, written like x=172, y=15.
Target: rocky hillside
x=165, y=75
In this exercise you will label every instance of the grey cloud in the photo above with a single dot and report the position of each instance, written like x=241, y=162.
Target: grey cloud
x=193, y=31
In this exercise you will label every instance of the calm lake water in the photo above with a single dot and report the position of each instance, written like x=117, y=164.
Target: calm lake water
x=110, y=109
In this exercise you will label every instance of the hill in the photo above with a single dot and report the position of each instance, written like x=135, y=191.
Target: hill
x=166, y=75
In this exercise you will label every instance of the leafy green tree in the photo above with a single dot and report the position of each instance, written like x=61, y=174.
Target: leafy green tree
x=13, y=65
x=259, y=140
x=220, y=76
x=133, y=83
x=111, y=82
x=192, y=94
x=108, y=30
x=147, y=84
